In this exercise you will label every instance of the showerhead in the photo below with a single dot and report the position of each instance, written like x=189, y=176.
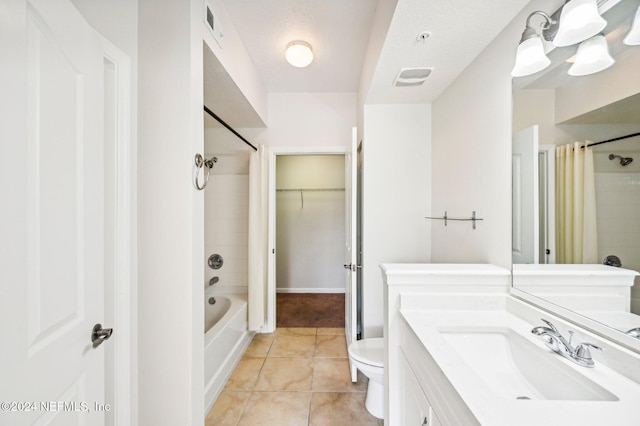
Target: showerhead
x=624, y=161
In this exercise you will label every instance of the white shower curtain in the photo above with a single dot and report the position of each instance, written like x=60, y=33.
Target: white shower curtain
x=576, y=231
x=258, y=242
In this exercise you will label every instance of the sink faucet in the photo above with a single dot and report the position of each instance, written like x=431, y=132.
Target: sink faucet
x=581, y=354
x=634, y=332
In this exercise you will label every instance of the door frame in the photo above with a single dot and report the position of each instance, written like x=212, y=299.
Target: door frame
x=125, y=291
x=547, y=189
x=271, y=263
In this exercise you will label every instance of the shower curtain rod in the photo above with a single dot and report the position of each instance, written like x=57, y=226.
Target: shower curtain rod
x=615, y=139
x=221, y=121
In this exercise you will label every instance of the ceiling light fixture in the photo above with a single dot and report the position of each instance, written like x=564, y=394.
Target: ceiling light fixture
x=530, y=57
x=579, y=21
x=633, y=38
x=592, y=57
x=299, y=53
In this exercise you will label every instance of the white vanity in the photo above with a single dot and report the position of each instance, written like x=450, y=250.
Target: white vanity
x=460, y=351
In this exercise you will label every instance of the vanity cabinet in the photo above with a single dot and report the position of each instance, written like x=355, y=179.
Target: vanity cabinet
x=416, y=409
x=459, y=352
x=423, y=287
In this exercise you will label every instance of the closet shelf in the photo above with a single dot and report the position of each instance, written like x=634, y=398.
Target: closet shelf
x=302, y=190
x=446, y=218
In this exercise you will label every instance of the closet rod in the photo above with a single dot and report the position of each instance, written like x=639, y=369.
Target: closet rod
x=309, y=189
x=221, y=121
x=615, y=139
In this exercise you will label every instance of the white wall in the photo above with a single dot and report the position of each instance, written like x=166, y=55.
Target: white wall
x=472, y=150
x=171, y=223
x=307, y=120
x=396, y=197
x=597, y=90
x=310, y=229
x=116, y=20
x=379, y=29
x=235, y=59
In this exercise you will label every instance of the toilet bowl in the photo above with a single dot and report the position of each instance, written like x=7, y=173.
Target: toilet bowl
x=367, y=355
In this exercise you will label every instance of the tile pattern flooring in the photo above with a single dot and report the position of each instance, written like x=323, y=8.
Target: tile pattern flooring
x=295, y=376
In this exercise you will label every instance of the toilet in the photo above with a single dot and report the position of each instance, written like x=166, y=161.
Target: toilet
x=367, y=355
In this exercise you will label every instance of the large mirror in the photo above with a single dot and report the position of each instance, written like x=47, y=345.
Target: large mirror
x=581, y=213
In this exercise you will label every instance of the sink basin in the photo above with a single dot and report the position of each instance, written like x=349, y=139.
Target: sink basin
x=515, y=368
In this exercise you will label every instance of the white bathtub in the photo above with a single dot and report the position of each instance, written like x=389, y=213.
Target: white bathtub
x=225, y=340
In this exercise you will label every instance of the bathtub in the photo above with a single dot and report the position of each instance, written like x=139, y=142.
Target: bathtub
x=225, y=340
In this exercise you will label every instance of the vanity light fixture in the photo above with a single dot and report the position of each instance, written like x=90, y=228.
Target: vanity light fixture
x=592, y=57
x=530, y=56
x=633, y=38
x=579, y=20
x=299, y=53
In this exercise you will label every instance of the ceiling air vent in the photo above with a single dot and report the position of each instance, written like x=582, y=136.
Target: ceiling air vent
x=412, y=76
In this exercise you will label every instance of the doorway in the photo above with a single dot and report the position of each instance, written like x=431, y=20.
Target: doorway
x=309, y=240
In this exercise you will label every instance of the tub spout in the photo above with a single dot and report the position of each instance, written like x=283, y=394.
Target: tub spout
x=214, y=280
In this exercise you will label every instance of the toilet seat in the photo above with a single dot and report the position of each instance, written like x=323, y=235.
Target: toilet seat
x=368, y=351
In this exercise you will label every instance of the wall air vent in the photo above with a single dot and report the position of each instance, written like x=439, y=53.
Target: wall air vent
x=212, y=22
x=412, y=76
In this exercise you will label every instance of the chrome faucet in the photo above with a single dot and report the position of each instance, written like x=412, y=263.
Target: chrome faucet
x=581, y=354
x=634, y=332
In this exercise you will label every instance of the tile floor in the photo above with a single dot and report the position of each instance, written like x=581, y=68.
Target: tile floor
x=295, y=376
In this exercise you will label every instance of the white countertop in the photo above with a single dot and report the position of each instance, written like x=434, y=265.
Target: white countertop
x=443, y=269
x=445, y=274
x=491, y=409
x=552, y=275
x=571, y=269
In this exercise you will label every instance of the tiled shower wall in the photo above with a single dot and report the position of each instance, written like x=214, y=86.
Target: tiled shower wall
x=618, y=211
x=226, y=228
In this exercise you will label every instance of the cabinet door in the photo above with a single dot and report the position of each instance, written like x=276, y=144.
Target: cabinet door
x=416, y=410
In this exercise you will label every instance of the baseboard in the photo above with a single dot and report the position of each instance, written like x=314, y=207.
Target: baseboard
x=309, y=290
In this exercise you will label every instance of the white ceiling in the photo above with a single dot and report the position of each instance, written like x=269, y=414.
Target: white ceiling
x=339, y=32
x=460, y=30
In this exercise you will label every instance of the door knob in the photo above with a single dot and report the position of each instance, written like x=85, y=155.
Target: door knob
x=99, y=334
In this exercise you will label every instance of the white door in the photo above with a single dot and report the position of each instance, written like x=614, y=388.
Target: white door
x=525, y=236
x=53, y=295
x=350, y=264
